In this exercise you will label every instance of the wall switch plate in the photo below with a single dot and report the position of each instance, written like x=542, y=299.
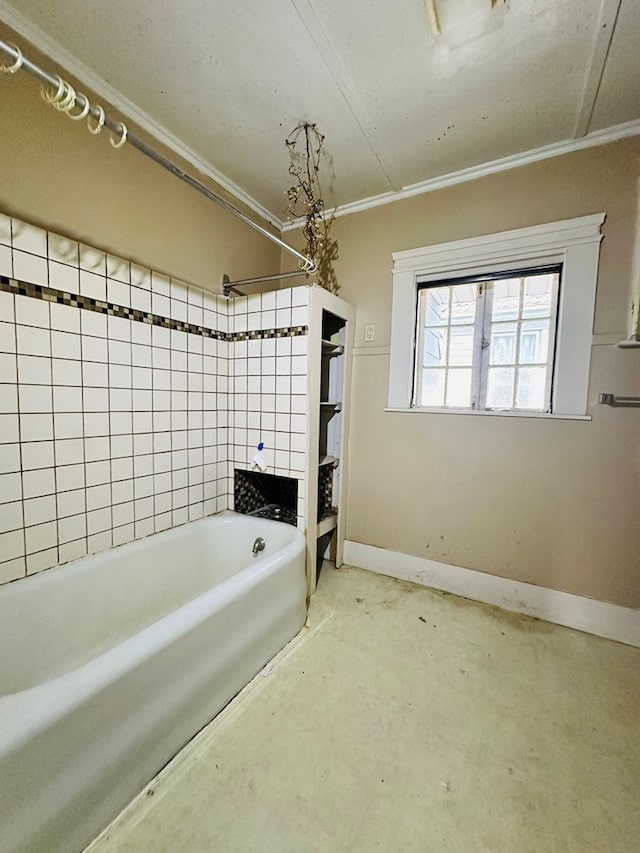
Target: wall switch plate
x=370, y=332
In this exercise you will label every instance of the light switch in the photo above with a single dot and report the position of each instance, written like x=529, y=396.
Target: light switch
x=370, y=332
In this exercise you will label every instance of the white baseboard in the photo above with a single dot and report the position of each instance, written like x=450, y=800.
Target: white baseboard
x=563, y=608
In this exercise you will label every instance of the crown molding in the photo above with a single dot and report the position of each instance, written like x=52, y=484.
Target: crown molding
x=58, y=54
x=513, y=161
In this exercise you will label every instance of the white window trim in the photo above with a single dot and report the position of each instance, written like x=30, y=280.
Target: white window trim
x=574, y=243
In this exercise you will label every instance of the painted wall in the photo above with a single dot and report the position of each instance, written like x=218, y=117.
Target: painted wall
x=55, y=174
x=555, y=503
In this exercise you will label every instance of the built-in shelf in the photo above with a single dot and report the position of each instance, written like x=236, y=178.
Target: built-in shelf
x=326, y=406
x=327, y=524
x=329, y=348
x=328, y=460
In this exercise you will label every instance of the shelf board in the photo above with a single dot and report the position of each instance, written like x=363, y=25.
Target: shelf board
x=327, y=524
x=325, y=405
x=329, y=348
x=328, y=460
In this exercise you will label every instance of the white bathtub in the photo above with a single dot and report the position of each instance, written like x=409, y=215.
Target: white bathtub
x=109, y=665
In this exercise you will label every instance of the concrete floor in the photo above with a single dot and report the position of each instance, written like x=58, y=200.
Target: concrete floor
x=408, y=720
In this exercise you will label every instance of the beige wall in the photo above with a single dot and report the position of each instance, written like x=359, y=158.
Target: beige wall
x=555, y=503
x=55, y=174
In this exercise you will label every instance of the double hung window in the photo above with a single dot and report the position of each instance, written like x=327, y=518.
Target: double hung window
x=487, y=342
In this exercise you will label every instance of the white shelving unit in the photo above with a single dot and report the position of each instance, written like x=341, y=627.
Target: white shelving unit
x=331, y=332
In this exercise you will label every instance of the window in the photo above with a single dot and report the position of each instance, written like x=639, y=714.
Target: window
x=487, y=343
x=497, y=325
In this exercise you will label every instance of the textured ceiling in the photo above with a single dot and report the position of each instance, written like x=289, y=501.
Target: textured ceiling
x=229, y=79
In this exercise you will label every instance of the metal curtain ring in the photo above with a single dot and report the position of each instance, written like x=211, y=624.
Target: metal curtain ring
x=85, y=110
x=49, y=95
x=99, y=124
x=68, y=100
x=17, y=65
x=123, y=136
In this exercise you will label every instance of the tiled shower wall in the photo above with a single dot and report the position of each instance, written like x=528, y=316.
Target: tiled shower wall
x=114, y=405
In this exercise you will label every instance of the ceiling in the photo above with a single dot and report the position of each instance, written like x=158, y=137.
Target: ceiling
x=224, y=82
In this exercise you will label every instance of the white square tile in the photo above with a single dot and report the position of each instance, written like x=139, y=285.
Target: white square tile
x=161, y=338
x=96, y=424
x=72, y=550
x=118, y=293
x=63, y=345
x=39, y=510
x=144, y=527
x=67, y=371
x=63, y=250
x=121, y=492
x=7, y=311
x=67, y=398
x=11, y=570
x=98, y=520
x=93, y=286
x=96, y=399
x=119, y=329
x=42, y=560
x=93, y=323
x=37, y=454
x=6, y=261
x=8, y=368
x=122, y=513
x=7, y=334
x=38, y=483
x=41, y=536
x=12, y=544
x=9, y=428
x=98, y=497
x=121, y=445
x=10, y=517
x=98, y=542
x=30, y=268
x=36, y=427
x=96, y=448
x=97, y=473
x=33, y=341
x=68, y=425
x=119, y=352
x=65, y=318
x=29, y=238
x=70, y=477
x=140, y=299
x=10, y=488
x=123, y=534
x=35, y=398
x=141, y=333
x=283, y=318
x=95, y=375
x=94, y=349
x=72, y=528
x=121, y=469
x=71, y=502
x=8, y=399
x=160, y=305
x=120, y=398
x=93, y=260
x=67, y=279
x=121, y=423
x=69, y=451
x=9, y=458
x=299, y=295
x=143, y=507
x=160, y=283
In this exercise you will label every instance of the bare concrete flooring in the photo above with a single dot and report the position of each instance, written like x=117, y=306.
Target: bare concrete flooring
x=408, y=720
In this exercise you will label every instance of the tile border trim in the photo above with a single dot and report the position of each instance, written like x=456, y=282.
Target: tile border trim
x=87, y=303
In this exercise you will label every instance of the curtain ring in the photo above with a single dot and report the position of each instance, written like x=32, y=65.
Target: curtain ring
x=17, y=65
x=67, y=102
x=99, y=123
x=85, y=110
x=123, y=136
x=48, y=94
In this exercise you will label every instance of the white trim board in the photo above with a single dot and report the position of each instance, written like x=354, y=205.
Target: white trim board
x=562, y=608
x=513, y=161
x=59, y=55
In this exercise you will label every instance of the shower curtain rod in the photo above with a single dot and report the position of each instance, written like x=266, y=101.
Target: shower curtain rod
x=17, y=56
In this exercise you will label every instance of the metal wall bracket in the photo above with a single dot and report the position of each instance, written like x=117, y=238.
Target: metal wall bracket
x=612, y=400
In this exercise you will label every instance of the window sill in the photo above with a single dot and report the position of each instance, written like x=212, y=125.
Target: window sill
x=538, y=415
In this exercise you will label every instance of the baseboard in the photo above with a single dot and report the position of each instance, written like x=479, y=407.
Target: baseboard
x=573, y=611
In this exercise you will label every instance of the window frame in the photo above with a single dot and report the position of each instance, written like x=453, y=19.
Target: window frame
x=573, y=243
x=482, y=324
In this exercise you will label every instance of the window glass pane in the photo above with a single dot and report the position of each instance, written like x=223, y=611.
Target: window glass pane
x=500, y=387
x=437, y=308
x=534, y=341
x=532, y=383
x=463, y=303
x=461, y=347
x=506, y=299
x=459, y=388
x=503, y=343
x=538, y=290
x=435, y=347
x=432, y=392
